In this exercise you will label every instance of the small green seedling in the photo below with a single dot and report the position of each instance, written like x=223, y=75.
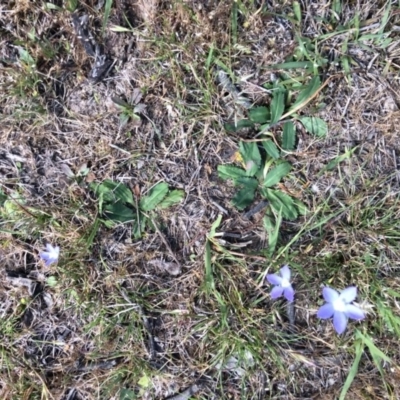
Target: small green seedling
x=129, y=110
x=117, y=204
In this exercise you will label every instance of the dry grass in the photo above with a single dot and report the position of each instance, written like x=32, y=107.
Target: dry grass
x=110, y=320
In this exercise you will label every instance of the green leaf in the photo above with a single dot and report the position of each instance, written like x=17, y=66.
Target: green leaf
x=281, y=202
x=127, y=394
x=71, y=5
x=119, y=212
x=276, y=174
x=230, y=172
x=271, y=148
x=277, y=104
x=314, y=125
x=251, y=156
x=245, y=196
x=3, y=198
x=110, y=191
x=359, y=346
x=242, y=124
x=215, y=226
x=155, y=196
x=272, y=228
x=260, y=115
x=293, y=65
x=306, y=93
x=51, y=281
x=289, y=136
x=173, y=197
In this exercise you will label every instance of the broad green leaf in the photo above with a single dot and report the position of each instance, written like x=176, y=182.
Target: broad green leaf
x=314, y=125
x=155, y=196
x=246, y=181
x=251, y=157
x=359, y=347
x=289, y=136
x=119, y=212
x=272, y=228
x=245, y=196
x=111, y=191
x=260, y=115
x=281, y=202
x=271, y=148
x=173, y=197
x=306, y=93
x=276, y=174
x=242, y=124
x=278, y=104
x=230, y=172
x=127, y=394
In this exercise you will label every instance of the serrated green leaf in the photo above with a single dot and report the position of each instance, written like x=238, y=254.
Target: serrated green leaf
x=251, y=156
x=260, y=115
x=230, y=172
x=173, y=197
x=276, y=174
x=271, y=148
x=127, y=394
x=155, y=196
x=289, y=136
x=119, y=212
x=245, y=196
x=242, y=124
x=281, y=202
x=306, y=93
x=314, y=125
x=278, y=104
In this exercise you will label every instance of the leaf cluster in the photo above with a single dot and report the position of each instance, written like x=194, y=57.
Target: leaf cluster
x=262, y=171
x=116, y=204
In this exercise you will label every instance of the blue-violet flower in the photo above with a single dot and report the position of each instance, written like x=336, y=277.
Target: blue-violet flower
x=338, y=305
x=50, y=255
x=283, y=285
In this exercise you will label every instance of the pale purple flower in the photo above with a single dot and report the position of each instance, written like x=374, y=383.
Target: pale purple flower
x=338, y=305
x=283, y=285
x=51, y=254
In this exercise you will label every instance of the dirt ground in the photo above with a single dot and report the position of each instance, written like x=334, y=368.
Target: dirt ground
x=125, y=318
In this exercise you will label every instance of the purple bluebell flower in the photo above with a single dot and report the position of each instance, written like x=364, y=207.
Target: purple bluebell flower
x=282, y=284
x=338, y=305
x=51, y=254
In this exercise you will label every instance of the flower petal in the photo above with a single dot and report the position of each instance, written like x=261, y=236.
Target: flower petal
x=354, y=312
x=349, y=294
x=289, y=293
x=276, y=292
x=339, y=322
x=329, y=294
x=49, y=247
x=326, y=311
x=274, y=279
x=285, y=272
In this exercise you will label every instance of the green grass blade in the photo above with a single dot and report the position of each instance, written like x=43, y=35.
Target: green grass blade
x=359, y=346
